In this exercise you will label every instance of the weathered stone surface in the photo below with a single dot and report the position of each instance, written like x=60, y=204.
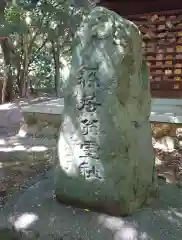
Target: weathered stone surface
x=42, y=124
x=160, y=130
x=166, y=144
x=179, y=133
x=106, y=159
x=180, y=145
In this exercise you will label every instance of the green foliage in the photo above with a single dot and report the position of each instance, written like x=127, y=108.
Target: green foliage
x=36, y=33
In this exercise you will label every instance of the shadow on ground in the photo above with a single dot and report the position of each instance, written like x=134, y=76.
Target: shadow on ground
x=22, y=159
x=36, y=210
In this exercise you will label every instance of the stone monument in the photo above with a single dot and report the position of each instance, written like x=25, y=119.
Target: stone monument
x=105, y=154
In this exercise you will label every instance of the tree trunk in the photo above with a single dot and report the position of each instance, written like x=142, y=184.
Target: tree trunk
x=7, y=89
x=56, y=55
x=23, y=80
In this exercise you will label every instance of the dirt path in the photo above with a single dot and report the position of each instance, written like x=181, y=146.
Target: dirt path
x=21, y=160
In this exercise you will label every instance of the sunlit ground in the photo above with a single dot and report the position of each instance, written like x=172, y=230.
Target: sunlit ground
x=36, y=208
x=22, y=159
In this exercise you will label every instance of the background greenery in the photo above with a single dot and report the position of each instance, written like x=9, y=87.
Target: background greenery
x=35, y=44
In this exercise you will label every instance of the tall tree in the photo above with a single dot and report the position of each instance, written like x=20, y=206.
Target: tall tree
x=37, y=37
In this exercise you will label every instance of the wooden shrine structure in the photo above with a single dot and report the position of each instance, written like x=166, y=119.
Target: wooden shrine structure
x=160, y=21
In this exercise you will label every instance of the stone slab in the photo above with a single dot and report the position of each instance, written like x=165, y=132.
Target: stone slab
x=166, y=110
x=106, y=124
x=41, y=124
x=162, y=110
x=54, y=106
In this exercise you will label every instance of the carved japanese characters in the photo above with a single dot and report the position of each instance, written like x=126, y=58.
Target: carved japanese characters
x=105, y=155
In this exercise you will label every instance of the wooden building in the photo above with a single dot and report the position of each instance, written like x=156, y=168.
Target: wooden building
x=160, y=21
